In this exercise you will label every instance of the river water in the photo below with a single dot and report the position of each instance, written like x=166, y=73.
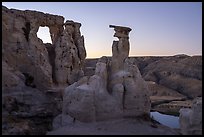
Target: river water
x=167, y=120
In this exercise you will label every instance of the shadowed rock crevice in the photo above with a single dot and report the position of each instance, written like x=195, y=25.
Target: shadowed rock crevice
x=27, y=30
x=51, y=53
x=29, y=80
x=123, y=98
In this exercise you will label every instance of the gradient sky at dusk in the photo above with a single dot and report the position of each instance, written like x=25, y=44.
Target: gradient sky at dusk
x=158, y=28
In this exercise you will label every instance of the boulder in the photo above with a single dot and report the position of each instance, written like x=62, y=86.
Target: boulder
x=191, y=119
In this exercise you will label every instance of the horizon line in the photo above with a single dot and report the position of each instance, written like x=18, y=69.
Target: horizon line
x=149, y=56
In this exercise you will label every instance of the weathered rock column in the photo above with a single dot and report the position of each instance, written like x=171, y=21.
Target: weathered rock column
x=126, y=82
x=70, y=54
x=120, y=49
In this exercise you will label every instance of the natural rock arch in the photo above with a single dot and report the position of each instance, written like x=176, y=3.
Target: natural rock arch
x=32, y=55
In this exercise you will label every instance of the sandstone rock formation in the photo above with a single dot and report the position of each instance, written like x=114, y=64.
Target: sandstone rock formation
x=179, y=73
x=70, y=54
x=116, y=90
x=88, y=99
x=24, y=51
x=191, y=119
x=173, y=81
x=32, y=69
x=125, y=78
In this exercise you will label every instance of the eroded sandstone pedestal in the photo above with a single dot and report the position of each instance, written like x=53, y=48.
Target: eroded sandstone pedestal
x=116, y=90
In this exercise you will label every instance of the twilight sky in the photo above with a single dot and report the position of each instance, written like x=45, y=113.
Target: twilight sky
x=158, y=28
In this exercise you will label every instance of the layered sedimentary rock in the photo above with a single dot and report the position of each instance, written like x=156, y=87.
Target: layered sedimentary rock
x=191, y=119
x=31, y=67
x=116, y=90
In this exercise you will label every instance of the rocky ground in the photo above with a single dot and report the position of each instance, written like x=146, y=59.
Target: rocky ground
x=116, y=127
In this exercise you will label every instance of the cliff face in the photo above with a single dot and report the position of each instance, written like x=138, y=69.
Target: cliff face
x=31, y=68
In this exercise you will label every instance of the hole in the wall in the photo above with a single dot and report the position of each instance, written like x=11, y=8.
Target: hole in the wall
x=44, y=34
x=29, y=80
